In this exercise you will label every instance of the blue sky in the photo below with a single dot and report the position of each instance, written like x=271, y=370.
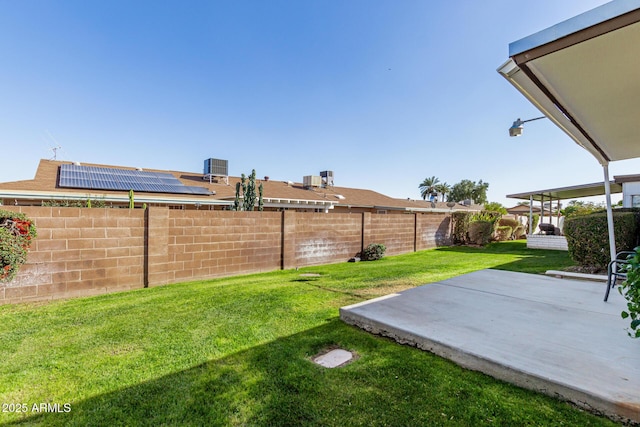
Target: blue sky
x=383, y=93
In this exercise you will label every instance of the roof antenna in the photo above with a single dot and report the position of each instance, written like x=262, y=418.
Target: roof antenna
x=55, y=152
x=56, y=148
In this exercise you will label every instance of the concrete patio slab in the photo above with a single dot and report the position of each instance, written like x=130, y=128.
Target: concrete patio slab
x=552, y=335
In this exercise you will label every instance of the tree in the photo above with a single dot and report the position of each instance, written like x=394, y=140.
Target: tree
x=469, y=190
x=463, y=190
x=428, y=187
x=495, y=207
x=479, y=193
x=579, y=207
x=443, y=189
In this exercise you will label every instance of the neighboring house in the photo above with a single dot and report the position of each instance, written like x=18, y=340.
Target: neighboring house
x=60, y=183
x=630, y=190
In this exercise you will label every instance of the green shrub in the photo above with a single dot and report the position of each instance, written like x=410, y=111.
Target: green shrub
x=490, y=216
x=373, y=252
x=630, y=289
x=64, y=203
x=461, y=221
x=511, y=222
x=503, y=232
x=495, y=207
x=587, y=237
x=16, y=234
x=480, y=232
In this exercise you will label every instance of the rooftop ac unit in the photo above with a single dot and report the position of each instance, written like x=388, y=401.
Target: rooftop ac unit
x=216, y=167
x=312, y=181
x=327, y=178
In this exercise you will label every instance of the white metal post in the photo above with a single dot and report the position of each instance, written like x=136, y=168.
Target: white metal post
x=607, y=191
x=541, y=209
x=530, y=213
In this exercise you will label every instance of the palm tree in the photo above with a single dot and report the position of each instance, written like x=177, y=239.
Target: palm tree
x=443, y=189
x=428, y=187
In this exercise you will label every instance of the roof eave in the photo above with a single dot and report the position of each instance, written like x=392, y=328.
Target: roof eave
x=52, y=195
x=586, y=25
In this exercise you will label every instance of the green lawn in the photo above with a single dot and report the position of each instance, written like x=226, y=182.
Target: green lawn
x=236, y=351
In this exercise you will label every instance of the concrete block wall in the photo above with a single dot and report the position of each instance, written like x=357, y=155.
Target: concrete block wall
x=206, y=244
x=322, y=238
x=80, y=251
x=433, y=230
x=396, y=232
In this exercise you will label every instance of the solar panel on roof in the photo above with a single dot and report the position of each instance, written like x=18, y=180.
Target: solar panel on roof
x=97, y=178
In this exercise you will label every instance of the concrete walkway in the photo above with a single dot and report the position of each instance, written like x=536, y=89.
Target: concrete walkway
x=552, y=335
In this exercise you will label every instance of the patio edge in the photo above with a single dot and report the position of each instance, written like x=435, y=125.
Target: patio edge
x=616, y=411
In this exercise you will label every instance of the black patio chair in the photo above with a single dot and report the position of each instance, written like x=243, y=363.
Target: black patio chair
x=617, y=269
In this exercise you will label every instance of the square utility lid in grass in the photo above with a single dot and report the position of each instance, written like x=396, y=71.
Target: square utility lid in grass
x=333, y=358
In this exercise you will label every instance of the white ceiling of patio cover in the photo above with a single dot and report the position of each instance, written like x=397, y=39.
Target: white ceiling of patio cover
x=598, y=82
x=584, y=75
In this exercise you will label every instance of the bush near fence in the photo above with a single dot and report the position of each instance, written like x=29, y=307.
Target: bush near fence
x=587, y=236
x=480, y=232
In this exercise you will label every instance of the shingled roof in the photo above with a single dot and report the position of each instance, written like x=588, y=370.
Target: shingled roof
x=276, y=194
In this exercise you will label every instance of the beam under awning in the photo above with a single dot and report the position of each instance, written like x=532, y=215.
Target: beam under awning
x=571, y=192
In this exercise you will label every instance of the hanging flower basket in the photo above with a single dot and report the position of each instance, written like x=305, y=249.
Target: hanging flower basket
x=16, y=234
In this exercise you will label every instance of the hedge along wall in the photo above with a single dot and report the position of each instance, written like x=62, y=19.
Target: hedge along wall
x=587, y=236
x=81, y=251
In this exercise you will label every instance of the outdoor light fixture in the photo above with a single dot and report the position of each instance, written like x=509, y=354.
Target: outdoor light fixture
x=517, y=127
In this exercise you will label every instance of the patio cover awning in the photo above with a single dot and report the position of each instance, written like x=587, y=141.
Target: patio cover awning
x=523, y=210
x=563, y=193
x=583, y=75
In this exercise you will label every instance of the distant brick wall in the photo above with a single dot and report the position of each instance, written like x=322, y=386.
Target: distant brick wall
x=82, y=251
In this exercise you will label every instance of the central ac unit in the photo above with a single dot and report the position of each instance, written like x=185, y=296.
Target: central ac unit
x=312, y=181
